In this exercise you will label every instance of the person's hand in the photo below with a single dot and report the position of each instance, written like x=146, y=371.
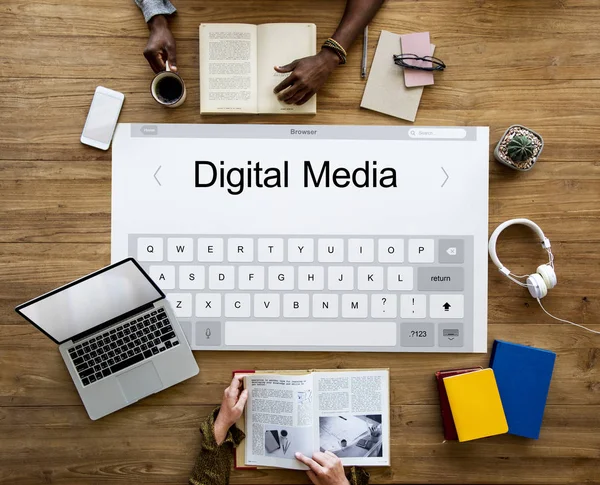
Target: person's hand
x=325, y=468
x=232, y=407
x=161, y=45
x=307, y=76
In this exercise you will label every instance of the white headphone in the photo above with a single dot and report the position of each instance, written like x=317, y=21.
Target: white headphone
x=544, y=278
x=538, y=283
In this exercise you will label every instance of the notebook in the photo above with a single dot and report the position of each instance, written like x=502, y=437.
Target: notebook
x=419, y=45
x=447, y=420
x=476, y=406
x=523, y=375
x=385, y=91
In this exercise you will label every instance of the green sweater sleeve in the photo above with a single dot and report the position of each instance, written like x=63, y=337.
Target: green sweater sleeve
x=214, y=462
x=357, y=476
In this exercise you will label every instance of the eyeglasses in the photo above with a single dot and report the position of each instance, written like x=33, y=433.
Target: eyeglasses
x=436, y=64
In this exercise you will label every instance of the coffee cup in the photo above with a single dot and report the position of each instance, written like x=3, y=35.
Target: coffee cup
x=168, y=88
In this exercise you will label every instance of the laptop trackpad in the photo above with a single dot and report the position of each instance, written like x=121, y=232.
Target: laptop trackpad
x=140, y=382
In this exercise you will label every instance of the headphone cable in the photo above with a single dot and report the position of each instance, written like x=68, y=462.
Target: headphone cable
x=566, y=321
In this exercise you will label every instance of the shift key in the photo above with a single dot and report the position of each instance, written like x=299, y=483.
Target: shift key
x=441, y=279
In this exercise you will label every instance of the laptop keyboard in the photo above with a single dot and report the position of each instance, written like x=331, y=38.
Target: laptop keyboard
x=303, y=292
x=123, y=346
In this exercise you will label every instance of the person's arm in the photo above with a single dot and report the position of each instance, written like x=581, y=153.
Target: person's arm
x=219, y=437
x=310, y=73
x=327, y=469
x=161, y=43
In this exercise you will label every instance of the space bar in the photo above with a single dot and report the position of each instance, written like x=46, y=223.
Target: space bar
x=311, y=333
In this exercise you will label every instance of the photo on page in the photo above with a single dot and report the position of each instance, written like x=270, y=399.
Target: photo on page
x=285, y=441
x=351, y=436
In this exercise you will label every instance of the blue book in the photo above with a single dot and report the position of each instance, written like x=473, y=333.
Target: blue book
x=523, y=376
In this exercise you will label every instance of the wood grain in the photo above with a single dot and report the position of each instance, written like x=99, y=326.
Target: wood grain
x=514, y=61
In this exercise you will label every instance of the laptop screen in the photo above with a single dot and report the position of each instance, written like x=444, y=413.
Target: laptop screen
x=91, y=301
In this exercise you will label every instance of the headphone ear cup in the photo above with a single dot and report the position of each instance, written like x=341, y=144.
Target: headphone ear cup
x=548, y=274
x=536, y=286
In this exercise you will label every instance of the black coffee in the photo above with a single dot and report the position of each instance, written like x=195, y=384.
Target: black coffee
x=169, y=89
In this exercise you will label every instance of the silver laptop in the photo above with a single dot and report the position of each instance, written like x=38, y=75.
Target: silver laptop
x=116, y=333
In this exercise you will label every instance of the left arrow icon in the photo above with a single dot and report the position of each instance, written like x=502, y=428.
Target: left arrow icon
x=155, y=177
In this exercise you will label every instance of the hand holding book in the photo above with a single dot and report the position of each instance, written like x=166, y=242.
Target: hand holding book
x=232, y=407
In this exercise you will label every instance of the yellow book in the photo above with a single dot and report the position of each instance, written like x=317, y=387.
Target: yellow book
x=476, y=406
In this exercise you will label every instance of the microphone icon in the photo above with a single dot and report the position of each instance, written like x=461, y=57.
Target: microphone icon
x=207, y=333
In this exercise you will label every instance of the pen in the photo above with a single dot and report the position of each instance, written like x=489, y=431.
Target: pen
x=363, y=66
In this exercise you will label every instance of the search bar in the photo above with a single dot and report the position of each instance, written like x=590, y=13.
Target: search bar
x=441, y=133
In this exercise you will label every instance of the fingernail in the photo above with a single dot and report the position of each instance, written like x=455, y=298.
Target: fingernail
x=297, y=454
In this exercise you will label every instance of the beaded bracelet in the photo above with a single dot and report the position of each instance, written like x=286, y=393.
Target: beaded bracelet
x=336, y=47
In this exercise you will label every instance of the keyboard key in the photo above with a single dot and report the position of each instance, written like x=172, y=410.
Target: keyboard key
x=451, y=251
x=168, y=336
x=163, y=276
x=92, y=379
x=361, y=250
x=126, y=363
x=417, y=334
x=240, y=250
x=85, y=381
x=175, y=343
x=106, y=372
x=150, y=249
x=237, y=305
x=413, y=306
x=340, y=278
x=441, y=279
x=208, y=305
x=446, y=306
x=281, y=278
x=331, y=250
x=210, y=250
x=191, y=278
x=168, y=344
x=251, y=278
x=154, y=351
x=78, y=361
x=221, y=277
x=72, y=352
x=301, y=250
x=270, y=250
x=390, y=250
x=86, y=372
x=281, y=333
x=370, y=278
x=354, y=306
x=147, y=353
x=400, y=278
x=180, y=249
x=325, y=306
x=181, y=303
x=384, y=306
x=266, y=305
x=295, y=305
x=421, y=251
x=187, y=331
x=311, y=278
x=98, y=375
x=450, y=334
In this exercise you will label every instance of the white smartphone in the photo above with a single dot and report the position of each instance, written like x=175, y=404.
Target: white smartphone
x=102, y=118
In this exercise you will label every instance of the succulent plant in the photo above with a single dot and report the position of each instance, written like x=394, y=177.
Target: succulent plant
x=520, y=148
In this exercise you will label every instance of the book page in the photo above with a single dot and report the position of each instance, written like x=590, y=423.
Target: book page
x=278, y=45
x=278, y=419
x=352, y=416
x=228, y=68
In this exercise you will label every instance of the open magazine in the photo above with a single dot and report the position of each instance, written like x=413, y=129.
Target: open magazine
x=345, y=412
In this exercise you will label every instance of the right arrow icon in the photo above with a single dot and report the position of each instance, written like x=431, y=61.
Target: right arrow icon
x=447, y=176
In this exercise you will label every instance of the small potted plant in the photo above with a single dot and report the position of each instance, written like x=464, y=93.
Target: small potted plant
x=519, y=148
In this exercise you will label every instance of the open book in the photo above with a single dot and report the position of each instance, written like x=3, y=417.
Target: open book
x=236, y=66
x=345, y=412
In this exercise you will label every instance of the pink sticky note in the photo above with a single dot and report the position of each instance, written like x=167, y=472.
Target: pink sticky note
x=417, y=44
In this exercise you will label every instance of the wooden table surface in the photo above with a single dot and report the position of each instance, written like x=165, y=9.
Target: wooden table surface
x=512, y=61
